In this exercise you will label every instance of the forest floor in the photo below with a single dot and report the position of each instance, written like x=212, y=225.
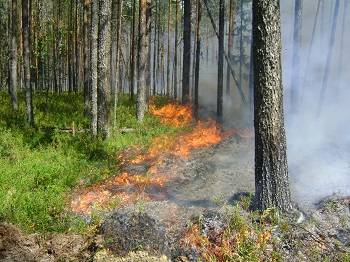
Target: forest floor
x=175, y=219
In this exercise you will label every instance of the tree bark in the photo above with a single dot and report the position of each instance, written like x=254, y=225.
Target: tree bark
x=86, y=58
x=198, y=52
x=118, y=50
x=186, y=53
x=220, y=86
x=103, y=68
x=175, y=47
x=93, y=62
x=132, y=52
x=26, y=63
x=271, y=169
x=141, y=87
x=230, y=47
x=13, y=72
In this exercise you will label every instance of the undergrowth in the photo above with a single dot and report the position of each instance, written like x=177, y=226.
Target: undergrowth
x=40, y=166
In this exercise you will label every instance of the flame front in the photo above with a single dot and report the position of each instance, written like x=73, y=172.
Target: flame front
x=127, y=188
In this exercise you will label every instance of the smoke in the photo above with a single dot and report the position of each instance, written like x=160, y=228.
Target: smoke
x=318, y=144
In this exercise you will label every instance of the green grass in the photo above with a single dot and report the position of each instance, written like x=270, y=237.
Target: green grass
x=40, y=166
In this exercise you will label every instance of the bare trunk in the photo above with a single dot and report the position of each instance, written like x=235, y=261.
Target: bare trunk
x=294, y=103
x=219, y=112
x=103, y=68
x=93, y=61
x=13, y=72
x=198, y=52
x=271, y=169
x=26, y=63
x=86, y=58
x=186, y=53
x=329, y=58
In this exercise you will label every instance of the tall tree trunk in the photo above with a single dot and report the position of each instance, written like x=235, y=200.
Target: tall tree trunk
x=117, y=54
x=230, y=65
x=13, y=72
x=230, y=47
x=198, y=52
x=70, y=50
x=329, y=58
x=86, y=57
x=93, y=64
x=186, y=53
x=26, y=63
x=310, y=49
x=298, y=13
x=168, y=52
x=103, y=68
x=132, y=51
x=176, y=44
x=271, y=170
x=220, y=86
x=341, y=57
x=141, y=86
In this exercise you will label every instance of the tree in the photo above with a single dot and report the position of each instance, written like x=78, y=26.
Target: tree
x=141, y=87
x=271, y=169
x=26, y=63
x=329, y=58
x=296, y=57
x=13, y=69
x=93, y=65
x=198, y=52
x=186, y=52
x=86, y=57
x=103, y=68
x=219, y=111
x=229, y=47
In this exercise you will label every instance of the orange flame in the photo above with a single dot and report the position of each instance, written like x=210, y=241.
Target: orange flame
x=123, y=189
x=173, y=113
x=126, y=188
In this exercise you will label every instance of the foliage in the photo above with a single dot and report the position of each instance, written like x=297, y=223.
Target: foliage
x=40, y=166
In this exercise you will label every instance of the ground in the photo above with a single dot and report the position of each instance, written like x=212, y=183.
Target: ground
x=205, y=185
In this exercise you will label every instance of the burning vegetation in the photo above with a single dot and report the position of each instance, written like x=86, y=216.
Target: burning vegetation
x=135, y=183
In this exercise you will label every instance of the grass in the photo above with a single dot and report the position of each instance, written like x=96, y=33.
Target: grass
x=40, y=166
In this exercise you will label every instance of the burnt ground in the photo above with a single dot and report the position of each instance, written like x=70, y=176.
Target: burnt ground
x=204, y=187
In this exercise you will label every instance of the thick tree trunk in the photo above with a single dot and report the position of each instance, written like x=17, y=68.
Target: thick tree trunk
x=141, y=86
x=93, y=64
x=220, y=86
x=26, y=63
x=103, y=68
x=186, y=53
x=13, y=72
x=271, y=169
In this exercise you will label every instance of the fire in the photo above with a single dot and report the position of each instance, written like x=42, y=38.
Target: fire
x=127, y=188
x=173, y=113
x=120, y=190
